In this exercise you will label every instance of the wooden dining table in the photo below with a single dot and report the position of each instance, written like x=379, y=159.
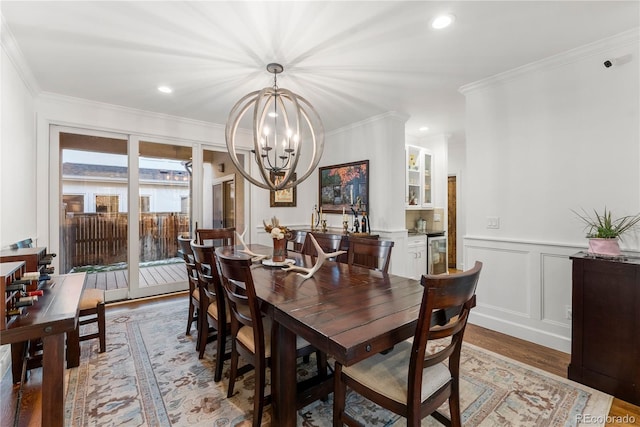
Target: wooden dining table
x=49, y=319
x=348, y=312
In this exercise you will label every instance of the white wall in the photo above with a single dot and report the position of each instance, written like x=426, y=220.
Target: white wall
x=541, y=140
x=381, y=140
x=17, y=155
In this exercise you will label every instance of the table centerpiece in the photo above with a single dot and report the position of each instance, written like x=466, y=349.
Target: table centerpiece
x=280, y=234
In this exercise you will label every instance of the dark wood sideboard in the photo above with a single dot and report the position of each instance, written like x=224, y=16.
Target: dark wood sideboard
x=605, y=336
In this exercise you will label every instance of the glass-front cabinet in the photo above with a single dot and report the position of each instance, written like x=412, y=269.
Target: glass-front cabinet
x=419, y=193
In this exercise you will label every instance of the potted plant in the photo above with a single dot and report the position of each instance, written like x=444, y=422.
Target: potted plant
x=604, y=232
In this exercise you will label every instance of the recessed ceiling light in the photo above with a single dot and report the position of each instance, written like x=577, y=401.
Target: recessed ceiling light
x=442, y=21
x=423, y=128
x=165, y=89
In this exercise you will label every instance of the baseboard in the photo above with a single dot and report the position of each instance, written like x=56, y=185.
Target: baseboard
x=536, y=336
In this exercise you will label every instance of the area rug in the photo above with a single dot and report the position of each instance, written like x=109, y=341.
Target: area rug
x=150, y=375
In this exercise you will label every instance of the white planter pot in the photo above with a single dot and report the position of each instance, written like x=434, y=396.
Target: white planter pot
x=607, y=247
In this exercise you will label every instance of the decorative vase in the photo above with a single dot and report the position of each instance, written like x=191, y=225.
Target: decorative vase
x=279, y=250
x=605, y=247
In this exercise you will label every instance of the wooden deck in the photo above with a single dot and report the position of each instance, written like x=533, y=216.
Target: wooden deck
x=148, y=276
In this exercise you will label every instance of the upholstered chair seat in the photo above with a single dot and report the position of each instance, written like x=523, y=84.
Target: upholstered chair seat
x=387, y=374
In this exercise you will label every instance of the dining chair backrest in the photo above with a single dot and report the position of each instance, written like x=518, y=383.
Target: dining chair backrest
x=185, y=251
x=328, y=242
x=296, y=240
x=453, y=294
x=414, y=379
x=370, y=253
x=216, y=236
x=237, y=282
x=212, y=295
x=205, y=264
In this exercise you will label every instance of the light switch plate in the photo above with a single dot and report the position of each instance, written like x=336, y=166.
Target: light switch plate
x=493, y=222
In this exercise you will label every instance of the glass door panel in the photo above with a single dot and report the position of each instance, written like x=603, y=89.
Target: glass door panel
x=427, y=197
x=437, y=255
x=93, y=211
x=164, y=201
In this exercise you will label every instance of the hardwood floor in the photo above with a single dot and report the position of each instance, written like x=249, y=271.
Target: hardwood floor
x=535, y=355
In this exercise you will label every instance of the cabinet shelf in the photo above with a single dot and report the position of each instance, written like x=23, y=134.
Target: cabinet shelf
x=418, y=193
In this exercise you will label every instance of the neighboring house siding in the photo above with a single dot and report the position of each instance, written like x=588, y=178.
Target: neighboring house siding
x=162, y=190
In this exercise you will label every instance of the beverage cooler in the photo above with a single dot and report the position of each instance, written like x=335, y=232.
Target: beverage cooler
x=437, y=254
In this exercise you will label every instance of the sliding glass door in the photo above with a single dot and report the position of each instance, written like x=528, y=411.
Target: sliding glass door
x=97, y=176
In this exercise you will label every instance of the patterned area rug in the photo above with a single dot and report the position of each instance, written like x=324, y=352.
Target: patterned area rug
x=150, y=375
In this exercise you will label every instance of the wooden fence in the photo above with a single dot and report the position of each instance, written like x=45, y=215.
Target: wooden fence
x=101, y=238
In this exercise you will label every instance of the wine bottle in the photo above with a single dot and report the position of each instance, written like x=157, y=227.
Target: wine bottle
x=15, y=287
x=19, y=304
x=15, y=311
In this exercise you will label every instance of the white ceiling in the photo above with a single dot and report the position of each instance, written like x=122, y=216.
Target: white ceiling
x=351, y=60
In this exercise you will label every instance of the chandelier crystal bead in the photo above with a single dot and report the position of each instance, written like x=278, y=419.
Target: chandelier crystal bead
x=284, y=126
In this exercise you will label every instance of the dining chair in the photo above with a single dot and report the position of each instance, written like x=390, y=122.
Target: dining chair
x=370, y=253
x=185, y=251
x=216, y=236
x=251, y=331
x=296, y=241
x=412, y=380
x=328, y=243
x=91, y=309
x=215, y=322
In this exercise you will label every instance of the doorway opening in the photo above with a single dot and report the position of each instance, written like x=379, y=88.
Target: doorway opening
x=452, y=220
x=224, y=202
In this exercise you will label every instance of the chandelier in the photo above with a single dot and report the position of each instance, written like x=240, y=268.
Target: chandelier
x=284, y=127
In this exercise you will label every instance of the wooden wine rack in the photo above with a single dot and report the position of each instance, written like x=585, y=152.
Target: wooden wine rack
x=9, y=273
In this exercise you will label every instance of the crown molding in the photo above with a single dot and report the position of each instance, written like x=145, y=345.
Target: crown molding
x=601, y=46
x=10, y=46
x=55, y=97
x=402, y=117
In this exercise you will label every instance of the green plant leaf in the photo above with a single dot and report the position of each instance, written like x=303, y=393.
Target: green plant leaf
x=602, y=225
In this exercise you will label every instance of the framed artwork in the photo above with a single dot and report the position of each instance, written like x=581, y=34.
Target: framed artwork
x=344, y=186
x=282, y=198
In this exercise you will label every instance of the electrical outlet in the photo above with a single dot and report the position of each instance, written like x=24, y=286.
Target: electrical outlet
x=493, y=222
x=436, y=217
x=568, y=312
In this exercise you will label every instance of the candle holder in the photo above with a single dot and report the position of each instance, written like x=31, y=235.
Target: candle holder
x=345, y=226
x=324, y=225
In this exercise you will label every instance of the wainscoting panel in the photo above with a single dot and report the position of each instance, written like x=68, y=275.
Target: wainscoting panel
x=555, y=271
x=503, y=285
x=524, y=288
